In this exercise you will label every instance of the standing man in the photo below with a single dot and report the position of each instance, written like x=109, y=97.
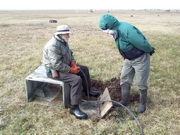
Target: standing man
x=136, y=50
x=60, y=63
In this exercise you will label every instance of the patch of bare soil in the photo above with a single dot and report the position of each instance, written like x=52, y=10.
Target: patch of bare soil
x=114, y=89
x=115, y=93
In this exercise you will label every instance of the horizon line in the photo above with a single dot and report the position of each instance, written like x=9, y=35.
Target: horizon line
x=81, y=9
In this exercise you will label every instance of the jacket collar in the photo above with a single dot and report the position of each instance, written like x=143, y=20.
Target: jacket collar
x=59, y=38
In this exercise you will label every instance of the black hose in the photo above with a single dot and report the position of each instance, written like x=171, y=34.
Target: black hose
x=88, y=89
x=138, y=123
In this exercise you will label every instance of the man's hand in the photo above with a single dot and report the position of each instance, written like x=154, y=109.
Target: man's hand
x=54, y=74
x=73, y=64
x=74, y=70
x=153, y=51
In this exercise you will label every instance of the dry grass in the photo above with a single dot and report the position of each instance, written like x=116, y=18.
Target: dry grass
x=23, y=35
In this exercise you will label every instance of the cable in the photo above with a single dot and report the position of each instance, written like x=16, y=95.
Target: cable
x=138, y=123
x=86, y=83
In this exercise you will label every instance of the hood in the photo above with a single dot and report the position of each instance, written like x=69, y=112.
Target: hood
x=108, y=22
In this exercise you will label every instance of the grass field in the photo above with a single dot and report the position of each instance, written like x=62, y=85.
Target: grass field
x=23, y=35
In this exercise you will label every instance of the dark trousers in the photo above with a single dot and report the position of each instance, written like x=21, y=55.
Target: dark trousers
x=78, y=83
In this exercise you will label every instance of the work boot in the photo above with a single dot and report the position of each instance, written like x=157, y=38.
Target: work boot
x=94, y=93
x=143, y=100
x=75, y=110
x=125, y=93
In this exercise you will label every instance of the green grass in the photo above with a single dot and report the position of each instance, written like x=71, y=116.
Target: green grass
x=23, y=36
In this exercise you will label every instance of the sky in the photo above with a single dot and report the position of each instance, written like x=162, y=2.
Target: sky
x=87, y=4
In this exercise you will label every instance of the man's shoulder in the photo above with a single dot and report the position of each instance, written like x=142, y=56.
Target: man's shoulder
x=54, y=42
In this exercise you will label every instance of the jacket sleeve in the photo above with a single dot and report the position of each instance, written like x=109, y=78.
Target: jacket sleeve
x=137, y=39
x=55, y=57
x=73, y=60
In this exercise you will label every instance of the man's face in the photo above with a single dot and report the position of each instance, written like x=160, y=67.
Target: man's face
x=65, y=36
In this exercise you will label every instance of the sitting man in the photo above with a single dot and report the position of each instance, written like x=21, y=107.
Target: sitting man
x=60, y=63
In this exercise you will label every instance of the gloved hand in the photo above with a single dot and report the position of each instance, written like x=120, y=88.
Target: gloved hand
x=74, y=70
x=73, y=64
x=153, y=51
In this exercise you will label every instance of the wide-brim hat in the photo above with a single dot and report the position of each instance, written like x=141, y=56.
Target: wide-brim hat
x=62, y=29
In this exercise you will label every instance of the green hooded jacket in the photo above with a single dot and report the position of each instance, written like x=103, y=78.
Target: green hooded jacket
x=128, y=35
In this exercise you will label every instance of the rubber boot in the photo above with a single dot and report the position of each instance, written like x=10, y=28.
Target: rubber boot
x=125, y=93
x=94, y=93
x=143, y=100
x=75, y=110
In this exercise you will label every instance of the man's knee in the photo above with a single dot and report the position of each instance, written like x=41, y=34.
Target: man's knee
x=78, y=80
